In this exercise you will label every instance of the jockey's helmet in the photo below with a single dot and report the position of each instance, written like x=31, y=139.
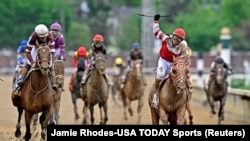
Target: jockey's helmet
x=136, y=45
x=41, y=30
x=180, y=32
x=118, y=61
x=82, y=51
x=98, y=37
x=56, y=26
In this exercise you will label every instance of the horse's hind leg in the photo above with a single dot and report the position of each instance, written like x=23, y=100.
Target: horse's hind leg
x=18, y=125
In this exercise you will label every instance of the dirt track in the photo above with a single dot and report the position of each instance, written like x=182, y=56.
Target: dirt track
x=9, y=112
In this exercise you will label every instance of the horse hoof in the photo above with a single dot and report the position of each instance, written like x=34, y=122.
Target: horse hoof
x=18, y=133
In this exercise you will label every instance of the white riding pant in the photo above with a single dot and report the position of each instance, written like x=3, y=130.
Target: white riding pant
x=163, y=68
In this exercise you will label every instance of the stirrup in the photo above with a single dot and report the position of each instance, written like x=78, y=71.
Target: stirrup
x=54, y=87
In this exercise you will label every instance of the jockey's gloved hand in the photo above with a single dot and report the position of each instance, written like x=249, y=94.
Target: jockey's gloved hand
x=157, y=17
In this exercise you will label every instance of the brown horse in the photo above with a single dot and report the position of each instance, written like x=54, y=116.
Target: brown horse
x=96, y=91
x=216, y=91
x=36, y=94
x=174, y=96
x=133, y=90
x=59, y=73
x=76, y=92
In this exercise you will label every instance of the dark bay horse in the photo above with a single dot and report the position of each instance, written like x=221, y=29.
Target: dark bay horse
x=36, y=94
x=75, y=93
x=133, y=90
x=174, y=96
x=96, y=91
x=216, y=91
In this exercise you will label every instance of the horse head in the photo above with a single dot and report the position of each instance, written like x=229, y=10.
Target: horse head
x=179, y=73
x=43, y=59
x=219, y=74
x=137, y=66
x=100, y=62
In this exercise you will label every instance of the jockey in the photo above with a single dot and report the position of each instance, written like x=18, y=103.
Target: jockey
x=135, y=54
x=172, y=46
x=118, y=66
x=40, y=36
x=97, y=47
x=21, y=58
x=80, y=53
x=56, y=31
x=218, y=60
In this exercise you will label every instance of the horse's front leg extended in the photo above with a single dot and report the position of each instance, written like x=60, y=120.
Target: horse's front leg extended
x=163, y=116
x=181, y=115
x=18, y=125
x=28, y=117
x=222, y=108
x=92, y=119
x=139, y=108
x=104, y=115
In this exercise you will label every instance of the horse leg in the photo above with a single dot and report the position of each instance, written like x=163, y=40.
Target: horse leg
x=28, y=118
x=56, y=112
x=221, y=108
x=92, y=119
x=130, y=110
x=139, y=109
x=73, y=96
x=44, y=119
x=154, y=116
x=86, y=119
x=18, y=125
x=180, y=114
x=125, y=104
x=190, y=114
x=103, y=107
x=163, y=116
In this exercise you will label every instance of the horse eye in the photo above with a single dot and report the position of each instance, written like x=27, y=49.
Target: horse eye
x=174, y=72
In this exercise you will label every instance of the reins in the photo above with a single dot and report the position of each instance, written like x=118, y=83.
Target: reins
x=39, y=91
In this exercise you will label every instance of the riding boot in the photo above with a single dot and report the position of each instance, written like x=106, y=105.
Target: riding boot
x=53, y=80
x=20, y=80
x=155, y=101
x=71, y=86
x=84, y=77
x=124, y=79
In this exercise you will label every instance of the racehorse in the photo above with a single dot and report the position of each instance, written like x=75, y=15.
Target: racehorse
x=75, y=93
x=58, y=66
x=96, y=91
x=133, y=90
x=216, y=91
x=174, y=96
x=36, y=94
